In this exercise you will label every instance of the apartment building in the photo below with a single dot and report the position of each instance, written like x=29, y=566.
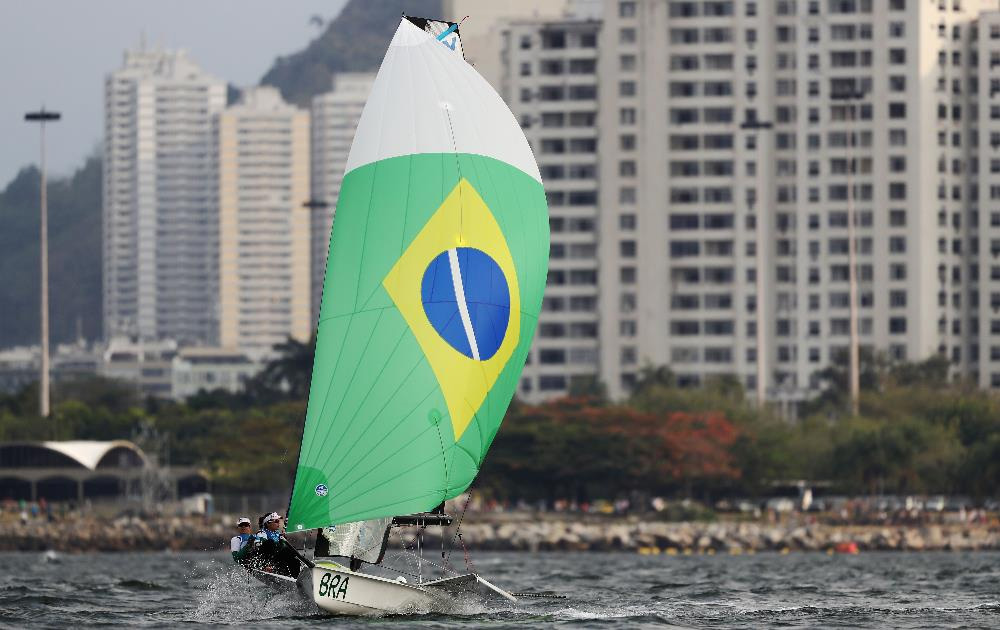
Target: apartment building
x=551, y=85
x=335, y=116
x=160, y=221
x=727, y=126
x=264, y=231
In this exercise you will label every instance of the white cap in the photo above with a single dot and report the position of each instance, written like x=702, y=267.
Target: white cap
x=243, y=521
x=273, y=516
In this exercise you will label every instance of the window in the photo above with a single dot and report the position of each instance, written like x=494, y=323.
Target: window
x=897, y=325
x=897, y=110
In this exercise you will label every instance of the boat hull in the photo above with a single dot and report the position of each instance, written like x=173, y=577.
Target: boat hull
x=340, y=591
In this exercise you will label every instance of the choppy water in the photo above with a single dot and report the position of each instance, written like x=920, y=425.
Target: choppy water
x=160, y=590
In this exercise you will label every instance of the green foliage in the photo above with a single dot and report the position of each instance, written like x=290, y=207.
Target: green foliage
x=74, y=256
x=915, y=434
x=353, y=42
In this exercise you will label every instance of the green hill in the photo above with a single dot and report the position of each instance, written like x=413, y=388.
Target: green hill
x=74, y=256
x=353, y=42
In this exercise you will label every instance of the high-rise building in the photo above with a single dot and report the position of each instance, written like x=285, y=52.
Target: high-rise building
x=551, y=86
x=718, y=118
x=264, y=247
x=160, y=217
x=335, y=116
x=482, y=26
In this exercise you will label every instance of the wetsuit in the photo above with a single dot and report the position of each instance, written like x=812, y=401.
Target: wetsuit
x=272, y=554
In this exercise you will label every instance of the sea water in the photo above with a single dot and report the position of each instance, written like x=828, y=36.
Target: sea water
x=602, y=590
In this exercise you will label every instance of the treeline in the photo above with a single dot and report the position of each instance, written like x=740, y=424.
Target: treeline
x=916, y=433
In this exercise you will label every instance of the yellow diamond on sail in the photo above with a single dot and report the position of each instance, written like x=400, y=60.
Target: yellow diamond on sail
x=456, y=287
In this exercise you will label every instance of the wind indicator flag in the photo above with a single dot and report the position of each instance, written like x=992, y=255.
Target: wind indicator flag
x=437, y=265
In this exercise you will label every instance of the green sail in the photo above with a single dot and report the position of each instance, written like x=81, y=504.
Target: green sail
x=437, y=265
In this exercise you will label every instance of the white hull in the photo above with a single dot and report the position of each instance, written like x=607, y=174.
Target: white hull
x=340, y=591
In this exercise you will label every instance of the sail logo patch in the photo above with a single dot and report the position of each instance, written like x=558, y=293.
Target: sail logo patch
x=466, y=300
x=456, y=287
x=322, y=490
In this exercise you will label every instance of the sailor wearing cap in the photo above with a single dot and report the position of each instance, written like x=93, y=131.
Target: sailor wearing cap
x=271, y=529
x=238, y=544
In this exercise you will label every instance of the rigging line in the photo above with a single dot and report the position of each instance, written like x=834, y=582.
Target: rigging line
x=445, y=569
x=444, y=456
x=365, y=399
x=458, y=167
x=458, y=528
x=427, y=56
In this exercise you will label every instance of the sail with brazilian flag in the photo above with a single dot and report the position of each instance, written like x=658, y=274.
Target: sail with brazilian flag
x=434, y=280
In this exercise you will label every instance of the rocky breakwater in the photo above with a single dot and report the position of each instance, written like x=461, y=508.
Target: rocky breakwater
x=516, y=532
x=658, y=537
x=120, y=534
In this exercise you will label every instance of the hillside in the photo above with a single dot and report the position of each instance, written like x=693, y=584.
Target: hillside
x=74, y=256
x=353, y=42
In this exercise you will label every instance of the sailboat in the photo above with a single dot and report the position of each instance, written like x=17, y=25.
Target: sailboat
x=437, y=264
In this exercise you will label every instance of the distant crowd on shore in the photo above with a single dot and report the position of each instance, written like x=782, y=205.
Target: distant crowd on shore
x=34, y=510
x=829, y=510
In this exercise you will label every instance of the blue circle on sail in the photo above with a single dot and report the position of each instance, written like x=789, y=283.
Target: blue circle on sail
x=467, y=301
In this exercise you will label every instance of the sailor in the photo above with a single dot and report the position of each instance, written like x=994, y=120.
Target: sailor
x=272, y=553
x=270, y=528
x=240, y=544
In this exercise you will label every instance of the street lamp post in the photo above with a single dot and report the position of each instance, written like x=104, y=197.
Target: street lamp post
x=752, y=124
x=315, y=204
x=851, y=99
x=42, y=116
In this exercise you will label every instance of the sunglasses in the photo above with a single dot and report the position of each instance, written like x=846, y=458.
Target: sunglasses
x=244, y=525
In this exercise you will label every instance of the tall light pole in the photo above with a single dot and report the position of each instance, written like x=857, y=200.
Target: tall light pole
x=851, y=99
x=752, y=124
x=42, y=116
x=315, y=204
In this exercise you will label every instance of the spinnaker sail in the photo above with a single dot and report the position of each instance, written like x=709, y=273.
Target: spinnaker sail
x=437, y=264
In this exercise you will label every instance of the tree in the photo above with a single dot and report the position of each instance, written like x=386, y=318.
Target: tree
x=287, y=376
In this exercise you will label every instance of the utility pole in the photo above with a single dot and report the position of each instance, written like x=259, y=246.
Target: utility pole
x=42, y=116
x=851, y=99
x=752, y=124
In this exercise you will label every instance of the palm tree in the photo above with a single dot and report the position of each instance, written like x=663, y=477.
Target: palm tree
x=287, y=375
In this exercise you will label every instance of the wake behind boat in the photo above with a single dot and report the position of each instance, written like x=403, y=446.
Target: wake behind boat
x=437, y=265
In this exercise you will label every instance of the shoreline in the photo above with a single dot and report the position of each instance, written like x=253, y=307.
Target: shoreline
x=527, y=533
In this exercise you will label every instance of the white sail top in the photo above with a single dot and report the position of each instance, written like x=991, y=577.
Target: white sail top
x=416, y=106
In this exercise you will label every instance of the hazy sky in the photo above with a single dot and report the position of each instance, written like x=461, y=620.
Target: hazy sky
x=57, y=52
